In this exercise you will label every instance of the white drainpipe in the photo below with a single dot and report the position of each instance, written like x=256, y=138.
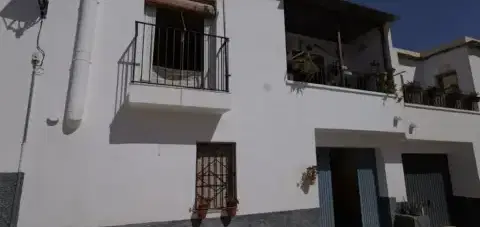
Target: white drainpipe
x=80, y=71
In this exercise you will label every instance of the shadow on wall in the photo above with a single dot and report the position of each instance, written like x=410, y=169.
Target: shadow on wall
x=20, y=15
x=125, y=67
x=280, y=4
x=152, y=126
x=147, y=126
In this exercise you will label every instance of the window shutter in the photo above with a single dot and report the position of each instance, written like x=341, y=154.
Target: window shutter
x=204, y=7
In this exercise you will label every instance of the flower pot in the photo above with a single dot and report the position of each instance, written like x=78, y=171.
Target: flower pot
x=232, y=210
x=451, y=100
x=404, y=220
x=202, y=211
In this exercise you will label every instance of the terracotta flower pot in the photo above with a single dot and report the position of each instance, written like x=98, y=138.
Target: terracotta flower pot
x=231, y=208
x=202, y=211
x=232, y=211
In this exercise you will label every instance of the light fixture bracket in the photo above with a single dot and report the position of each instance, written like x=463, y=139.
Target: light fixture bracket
x=43, y=5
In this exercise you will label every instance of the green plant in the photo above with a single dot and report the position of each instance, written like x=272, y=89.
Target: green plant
x=412, y=86
x=390, y=82
x=232, y=201
x=304, y=63
x=474, y=96
x=471, y=100
x=410, y=208
x=431, y=93
x=310, y=175
x=453, y=95
x=412, y=92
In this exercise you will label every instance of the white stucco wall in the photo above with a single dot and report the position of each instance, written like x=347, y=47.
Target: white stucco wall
x=452, y=126
x=474, y=59
x=424, y=71
x=457, y=59
x=129, y=166
x=409, y=67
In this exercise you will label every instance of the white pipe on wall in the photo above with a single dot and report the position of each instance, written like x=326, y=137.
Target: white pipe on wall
x=81, y=62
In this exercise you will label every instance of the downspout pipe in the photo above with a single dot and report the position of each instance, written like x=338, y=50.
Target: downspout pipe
x=80, y=70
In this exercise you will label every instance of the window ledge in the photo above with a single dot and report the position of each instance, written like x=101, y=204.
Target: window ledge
x=338, y=89
x=419, y=106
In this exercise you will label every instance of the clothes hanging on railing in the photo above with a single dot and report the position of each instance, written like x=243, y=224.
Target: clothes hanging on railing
x=204, y=7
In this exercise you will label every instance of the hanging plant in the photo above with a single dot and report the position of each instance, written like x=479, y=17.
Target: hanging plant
x=310, y=175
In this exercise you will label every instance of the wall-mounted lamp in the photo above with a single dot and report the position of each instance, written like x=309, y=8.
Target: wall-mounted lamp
x=43, y=5
x=411, y=127
x=396, y=119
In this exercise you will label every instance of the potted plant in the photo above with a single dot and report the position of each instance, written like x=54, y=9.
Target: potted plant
x=471, y=101
x=453, y=94
x=432, y=93
x=231, y=209
x=390, y=81
x=410, y=214
x=302, y=65
x=202, y=208
x=310, y=175
x=412, y=92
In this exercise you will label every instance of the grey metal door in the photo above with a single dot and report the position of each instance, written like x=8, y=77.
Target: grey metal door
x=368, y=186
x=427, y=180
x=325, y=194
x=355, y=187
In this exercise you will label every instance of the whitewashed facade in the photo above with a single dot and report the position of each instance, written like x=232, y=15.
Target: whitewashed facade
x=129, y=157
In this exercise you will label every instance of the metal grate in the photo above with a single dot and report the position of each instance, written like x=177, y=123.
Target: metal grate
x=181, y=51
x=216, y=178
x=10, y=193
x=440, y=99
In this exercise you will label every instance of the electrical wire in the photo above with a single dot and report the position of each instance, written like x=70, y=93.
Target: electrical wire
x=224, y=19
x=42, y=52
x=36, y=65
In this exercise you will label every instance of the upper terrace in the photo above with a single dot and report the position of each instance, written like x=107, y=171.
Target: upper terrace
x=444, y=76
x=338, y=43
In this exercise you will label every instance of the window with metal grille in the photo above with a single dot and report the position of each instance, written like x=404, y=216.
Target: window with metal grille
x=448, y=80
x=216, y=174
x=179, y=40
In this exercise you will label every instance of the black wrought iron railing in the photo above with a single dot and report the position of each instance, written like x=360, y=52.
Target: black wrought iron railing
x=441, y=99
x=376, y=82
x=180, y=58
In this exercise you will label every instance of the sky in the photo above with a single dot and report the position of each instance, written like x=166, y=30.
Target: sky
x=425, y=24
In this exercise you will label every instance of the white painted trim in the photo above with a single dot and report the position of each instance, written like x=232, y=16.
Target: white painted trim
x=341, y=89
x=419, y=106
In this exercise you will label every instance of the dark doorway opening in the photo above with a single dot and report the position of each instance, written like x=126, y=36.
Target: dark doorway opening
x=427, y=179
x=355, y=187
x=346, y=199
x=179, y=40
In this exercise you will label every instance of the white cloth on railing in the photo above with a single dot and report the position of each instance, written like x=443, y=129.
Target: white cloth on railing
x=174, y=77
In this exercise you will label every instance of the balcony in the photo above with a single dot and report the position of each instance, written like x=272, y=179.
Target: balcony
x=338, y=43
x=436, y=96
x=180, y=69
